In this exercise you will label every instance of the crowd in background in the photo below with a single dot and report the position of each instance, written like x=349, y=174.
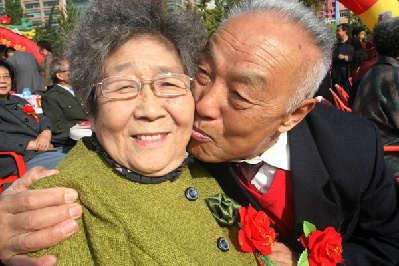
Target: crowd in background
x=61, y=110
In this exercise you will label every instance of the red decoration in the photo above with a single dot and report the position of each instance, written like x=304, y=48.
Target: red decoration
x=256, y=232
x=29, y=110
x=325, y=247
x=20, y=43
x=5, y=20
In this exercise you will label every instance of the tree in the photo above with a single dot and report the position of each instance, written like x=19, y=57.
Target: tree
x=213, y=17
x=48, y=32
x=315, y=5
x=57, y=36
x=66, y=22
x=13, y=9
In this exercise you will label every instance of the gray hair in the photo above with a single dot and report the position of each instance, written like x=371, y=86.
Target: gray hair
x=57, y=65
x=384, y=16
x=386, y=37
x=295, y=12
x=108, y=24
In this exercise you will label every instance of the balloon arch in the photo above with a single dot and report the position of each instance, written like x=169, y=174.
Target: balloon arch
x=19, y=36
x=368, y=10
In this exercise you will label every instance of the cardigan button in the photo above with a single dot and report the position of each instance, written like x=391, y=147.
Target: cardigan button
x=223, y=244
x=191, y=194
x=16, y=108
x=26, y=120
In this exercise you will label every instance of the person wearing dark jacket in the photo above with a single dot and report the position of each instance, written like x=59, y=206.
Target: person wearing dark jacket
x=342, y=58
x=22, y=130
x=60, y=104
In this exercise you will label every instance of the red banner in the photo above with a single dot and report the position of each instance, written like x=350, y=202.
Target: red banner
x=19, y=42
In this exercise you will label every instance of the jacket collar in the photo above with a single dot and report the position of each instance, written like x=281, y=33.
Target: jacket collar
x=309, y=179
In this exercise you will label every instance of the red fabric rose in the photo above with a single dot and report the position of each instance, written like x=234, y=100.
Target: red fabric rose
x=29, y=110
x=256, y=232
x=325, y=247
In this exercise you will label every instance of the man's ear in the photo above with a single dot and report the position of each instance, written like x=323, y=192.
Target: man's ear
x=296, y=116
x=59, y=76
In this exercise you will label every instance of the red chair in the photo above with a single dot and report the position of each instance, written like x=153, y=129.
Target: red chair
x=391, y=148
x=20, y=165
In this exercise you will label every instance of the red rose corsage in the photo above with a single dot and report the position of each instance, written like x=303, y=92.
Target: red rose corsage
x=321, y=247
x=255, y=232
x=29, y=111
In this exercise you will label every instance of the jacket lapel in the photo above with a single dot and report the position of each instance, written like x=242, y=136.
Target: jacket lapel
x=231, y=185
x=309, y=181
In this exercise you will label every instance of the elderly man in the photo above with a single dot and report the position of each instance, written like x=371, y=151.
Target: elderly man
x=253, y=103
x=60, y=104
x=377, y=98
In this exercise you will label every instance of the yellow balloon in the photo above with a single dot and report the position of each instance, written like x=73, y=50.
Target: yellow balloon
x=370, y=16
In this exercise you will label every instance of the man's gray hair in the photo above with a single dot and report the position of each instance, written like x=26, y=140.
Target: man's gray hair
x=108, y=24
x=57, y=65
x=295, y=12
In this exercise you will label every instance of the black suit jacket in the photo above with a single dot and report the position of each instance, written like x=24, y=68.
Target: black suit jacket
x=339, y=179
x=62, y=108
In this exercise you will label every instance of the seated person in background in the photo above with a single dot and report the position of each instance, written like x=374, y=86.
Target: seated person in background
x=377, y=98
x=21, y=131
x=60, y=104
x=132, y=174
x=26, y=70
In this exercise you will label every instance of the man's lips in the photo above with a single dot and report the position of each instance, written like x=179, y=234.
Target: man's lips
x=199, y=135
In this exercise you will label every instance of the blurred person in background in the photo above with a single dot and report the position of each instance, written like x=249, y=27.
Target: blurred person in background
x=377, y=98
x=27, y=72
x=60, y=104
x=45, y=49
x=21, y=130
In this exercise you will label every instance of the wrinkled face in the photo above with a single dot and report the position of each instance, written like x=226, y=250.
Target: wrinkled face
x=340, y=34
x=246, y=79
x=147, y=134
x=360, y=36
x=5, y=82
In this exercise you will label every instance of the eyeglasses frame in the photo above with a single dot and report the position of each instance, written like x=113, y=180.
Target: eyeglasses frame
x=141, y=86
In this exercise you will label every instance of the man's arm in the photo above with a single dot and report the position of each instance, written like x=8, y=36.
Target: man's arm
x=32, y=220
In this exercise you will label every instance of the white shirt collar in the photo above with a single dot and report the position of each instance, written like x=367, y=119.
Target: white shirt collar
x=277, y=156
x=67, y=88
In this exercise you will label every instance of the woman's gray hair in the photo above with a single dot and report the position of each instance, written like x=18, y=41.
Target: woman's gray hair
x=386, y=37
x=295, y=12
x=108, y=24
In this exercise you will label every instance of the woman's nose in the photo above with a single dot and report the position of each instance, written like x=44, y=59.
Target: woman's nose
x=149, y=105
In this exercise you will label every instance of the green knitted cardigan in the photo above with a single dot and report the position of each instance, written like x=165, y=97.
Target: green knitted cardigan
x=130, y=223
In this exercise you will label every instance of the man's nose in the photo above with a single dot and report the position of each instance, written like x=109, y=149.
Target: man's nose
x=207, y=102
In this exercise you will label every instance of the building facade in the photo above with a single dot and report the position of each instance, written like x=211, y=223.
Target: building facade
x=39, y=10
x=178, y=5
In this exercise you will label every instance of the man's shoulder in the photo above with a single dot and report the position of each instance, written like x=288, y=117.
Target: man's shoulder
x=55, y=91
x=329, y=118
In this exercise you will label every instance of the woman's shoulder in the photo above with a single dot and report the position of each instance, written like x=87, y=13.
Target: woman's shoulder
x=81, y=164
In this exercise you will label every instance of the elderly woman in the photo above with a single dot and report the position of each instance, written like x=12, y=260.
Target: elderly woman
x=21, y=130
x=142, y=202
